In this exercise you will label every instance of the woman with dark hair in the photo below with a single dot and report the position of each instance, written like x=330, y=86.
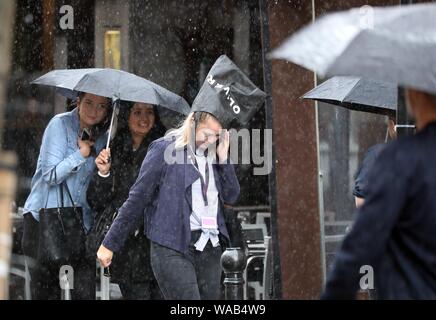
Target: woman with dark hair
x=66, y=161
x=118, y=167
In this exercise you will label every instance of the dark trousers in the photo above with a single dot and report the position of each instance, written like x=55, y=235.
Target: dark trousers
x=44, y=284
x=131, y=270
x=192, y=276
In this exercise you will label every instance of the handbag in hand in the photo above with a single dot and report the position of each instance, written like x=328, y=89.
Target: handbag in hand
x=62, y=236
x=100, y=228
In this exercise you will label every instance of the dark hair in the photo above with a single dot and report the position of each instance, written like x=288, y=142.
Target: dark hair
x=101, y=127
x=80, y=95
x=123, y=119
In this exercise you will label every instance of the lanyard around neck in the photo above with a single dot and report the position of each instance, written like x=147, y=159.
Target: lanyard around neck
x=203, y=181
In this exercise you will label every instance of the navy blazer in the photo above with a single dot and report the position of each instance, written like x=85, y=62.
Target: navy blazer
x=395, y=230
x=361, y=181
x=162, y=196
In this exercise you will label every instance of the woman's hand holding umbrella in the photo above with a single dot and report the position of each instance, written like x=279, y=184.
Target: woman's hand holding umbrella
x=103, y=161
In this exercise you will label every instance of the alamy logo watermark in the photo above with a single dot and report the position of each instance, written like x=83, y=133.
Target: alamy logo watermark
x=66, y=277
x=367, y=280
x=67, y=20
x=245, y=147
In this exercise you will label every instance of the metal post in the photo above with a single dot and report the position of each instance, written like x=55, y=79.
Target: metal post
x=66, y=281
x=267, y=76
x=104, y=285
x=8, y=182
x=8, y=161
x=268, y=293
x=27, y=279
x=66, y=291
x=233, y=262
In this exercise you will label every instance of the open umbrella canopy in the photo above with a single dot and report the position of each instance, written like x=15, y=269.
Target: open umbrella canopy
x=117, y=85
x=357, y=94
x=394, y=44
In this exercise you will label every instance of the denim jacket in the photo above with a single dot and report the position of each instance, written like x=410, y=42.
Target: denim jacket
x=60, y=157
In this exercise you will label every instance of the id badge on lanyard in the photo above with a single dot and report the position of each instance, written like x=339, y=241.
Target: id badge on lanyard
x=208, y=223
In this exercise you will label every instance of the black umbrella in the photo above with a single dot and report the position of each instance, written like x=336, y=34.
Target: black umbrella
x=117, y=85
x=394, y=44
x=357, y=94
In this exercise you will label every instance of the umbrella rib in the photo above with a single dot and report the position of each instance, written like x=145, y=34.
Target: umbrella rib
x=351, y=90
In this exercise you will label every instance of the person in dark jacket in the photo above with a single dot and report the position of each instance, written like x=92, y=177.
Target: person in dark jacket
x=185, y=260
x=370, y=157
x=393, y=239
x=185, y=182
x=361, y=185
x=138, y=126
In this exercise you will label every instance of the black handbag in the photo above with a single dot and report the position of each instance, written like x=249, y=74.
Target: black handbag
x=100, y=228
x=62, y=236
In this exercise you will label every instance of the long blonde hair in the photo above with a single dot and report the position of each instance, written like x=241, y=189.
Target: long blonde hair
x=185, y=132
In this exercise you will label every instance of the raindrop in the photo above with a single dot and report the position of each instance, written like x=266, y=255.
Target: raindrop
x=28, y=19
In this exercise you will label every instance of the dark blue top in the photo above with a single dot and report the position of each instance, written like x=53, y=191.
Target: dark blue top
x=395, y=230
x=162, y=195
x=361, y=182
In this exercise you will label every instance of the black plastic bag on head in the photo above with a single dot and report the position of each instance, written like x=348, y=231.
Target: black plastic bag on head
x=228, y=94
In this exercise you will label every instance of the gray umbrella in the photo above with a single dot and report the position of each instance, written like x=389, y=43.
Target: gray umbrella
x=117, y=85
x=357, y=94
x=394, y=44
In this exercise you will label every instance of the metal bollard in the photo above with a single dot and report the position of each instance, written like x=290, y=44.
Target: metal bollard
x=66, y=292
x=66, y=281
x=234, y=262
x=104, y=285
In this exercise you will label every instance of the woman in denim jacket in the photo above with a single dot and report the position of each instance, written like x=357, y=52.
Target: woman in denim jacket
x=70, y=159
